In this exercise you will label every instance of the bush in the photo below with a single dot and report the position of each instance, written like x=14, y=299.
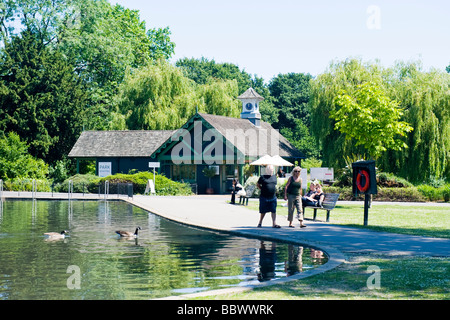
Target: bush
x=164, y=186
x=410, y=194
x=82, y=183
x=389, y=180
x=446, y=192
x=26, y=184
x=435, y=194
x=251, y=181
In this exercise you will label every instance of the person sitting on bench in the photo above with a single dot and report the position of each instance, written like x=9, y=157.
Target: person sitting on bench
x=308, y=198
x=319, y=195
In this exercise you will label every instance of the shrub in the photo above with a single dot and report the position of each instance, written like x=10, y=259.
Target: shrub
x=164, y=186
x=82, y=183
x=429, y=192
x=251, y=181
x=410, y=194
x=26, y=184
x=446, y=192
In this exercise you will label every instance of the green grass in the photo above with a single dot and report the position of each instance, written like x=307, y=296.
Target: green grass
x=421, y=220
x=400, y=277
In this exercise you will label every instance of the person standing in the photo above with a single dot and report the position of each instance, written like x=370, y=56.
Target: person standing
x=293, y=193
x=268, y=199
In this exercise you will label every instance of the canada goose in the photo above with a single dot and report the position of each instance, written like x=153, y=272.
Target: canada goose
x=128, y=234
x=56, y=235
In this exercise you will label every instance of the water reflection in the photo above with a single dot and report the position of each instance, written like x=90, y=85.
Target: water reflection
x=165, y=259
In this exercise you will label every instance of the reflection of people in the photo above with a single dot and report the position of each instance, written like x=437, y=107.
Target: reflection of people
x=316, y=254
x=295, y=260
x=267, y=260
x=268, y=200
x=292, y=193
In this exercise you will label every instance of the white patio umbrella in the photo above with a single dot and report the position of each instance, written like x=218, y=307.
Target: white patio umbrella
x=263, y=161
x=279, y=161
x=275, y=161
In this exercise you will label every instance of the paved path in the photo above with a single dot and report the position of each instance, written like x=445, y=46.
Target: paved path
x=213, y=212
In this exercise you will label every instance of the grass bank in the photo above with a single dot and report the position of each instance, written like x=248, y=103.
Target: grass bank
x=413, y=219
x=399, y=277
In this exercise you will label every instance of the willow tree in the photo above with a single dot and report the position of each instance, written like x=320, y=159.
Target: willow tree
x=158, y=96
x=344, y=75
x=424, y=100
x=425, y=97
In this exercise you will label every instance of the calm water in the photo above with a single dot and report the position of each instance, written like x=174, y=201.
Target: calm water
x=166, y=259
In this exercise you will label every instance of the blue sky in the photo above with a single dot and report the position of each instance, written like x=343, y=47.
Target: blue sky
x=271, y=37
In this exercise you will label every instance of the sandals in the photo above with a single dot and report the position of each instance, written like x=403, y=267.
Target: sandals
x=275, y=226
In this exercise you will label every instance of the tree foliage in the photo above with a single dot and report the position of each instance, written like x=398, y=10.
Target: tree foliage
x=371, y=119
x=42, y=99
x=159, y=96
x=423, y=98
x=15, y=162
x=290, y=94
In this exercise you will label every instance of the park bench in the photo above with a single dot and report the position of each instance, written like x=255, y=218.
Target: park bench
x=329, y=202
x=248, y=194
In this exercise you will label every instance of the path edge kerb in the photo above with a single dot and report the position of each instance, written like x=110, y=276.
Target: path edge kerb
x=335, y=256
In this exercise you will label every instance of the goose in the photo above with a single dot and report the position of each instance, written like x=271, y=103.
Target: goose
x=128, y=234
x=56, y=235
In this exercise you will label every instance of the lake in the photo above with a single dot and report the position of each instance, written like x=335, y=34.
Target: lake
x=94, y=263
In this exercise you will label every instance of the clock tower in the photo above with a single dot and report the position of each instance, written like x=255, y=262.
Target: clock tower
x=250, y=106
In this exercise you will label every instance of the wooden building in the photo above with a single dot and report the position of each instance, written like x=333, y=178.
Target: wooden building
x=223, y=143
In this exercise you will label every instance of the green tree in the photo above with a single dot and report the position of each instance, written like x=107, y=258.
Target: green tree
x=423, y=98
x=371, y=119
x=41, y=98
x=159, y=96
x=15, y=162
x=204, y=72
x=290, y=93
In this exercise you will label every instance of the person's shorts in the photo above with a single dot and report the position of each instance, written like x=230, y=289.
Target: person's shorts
x=267, y=205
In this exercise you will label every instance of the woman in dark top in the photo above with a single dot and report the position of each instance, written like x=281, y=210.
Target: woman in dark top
x=293, y=193
x=268, y=200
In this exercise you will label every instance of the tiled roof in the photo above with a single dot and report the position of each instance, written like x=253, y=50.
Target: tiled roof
x=140, y=143
x=250, y=94
x=265, y=132
x=131, y=143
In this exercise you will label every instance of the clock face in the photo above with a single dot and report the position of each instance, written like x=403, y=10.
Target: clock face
x=249, y=106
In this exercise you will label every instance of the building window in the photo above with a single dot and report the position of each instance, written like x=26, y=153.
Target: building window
x=185, y=173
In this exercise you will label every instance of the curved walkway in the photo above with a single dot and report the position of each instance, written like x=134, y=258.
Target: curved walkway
x=214, y=213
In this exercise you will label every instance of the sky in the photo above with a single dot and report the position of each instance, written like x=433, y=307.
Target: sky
x=266, y=38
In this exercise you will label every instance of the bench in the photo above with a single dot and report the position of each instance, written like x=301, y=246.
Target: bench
x=329, y=202
x=248, y=194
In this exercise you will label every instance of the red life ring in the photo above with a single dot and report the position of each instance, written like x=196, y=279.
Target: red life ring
x=358, y=180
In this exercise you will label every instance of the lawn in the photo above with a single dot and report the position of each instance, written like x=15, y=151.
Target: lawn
x=400, y=277
x=421, y=220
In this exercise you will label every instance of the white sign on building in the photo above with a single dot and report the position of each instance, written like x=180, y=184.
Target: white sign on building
x=104, y=169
